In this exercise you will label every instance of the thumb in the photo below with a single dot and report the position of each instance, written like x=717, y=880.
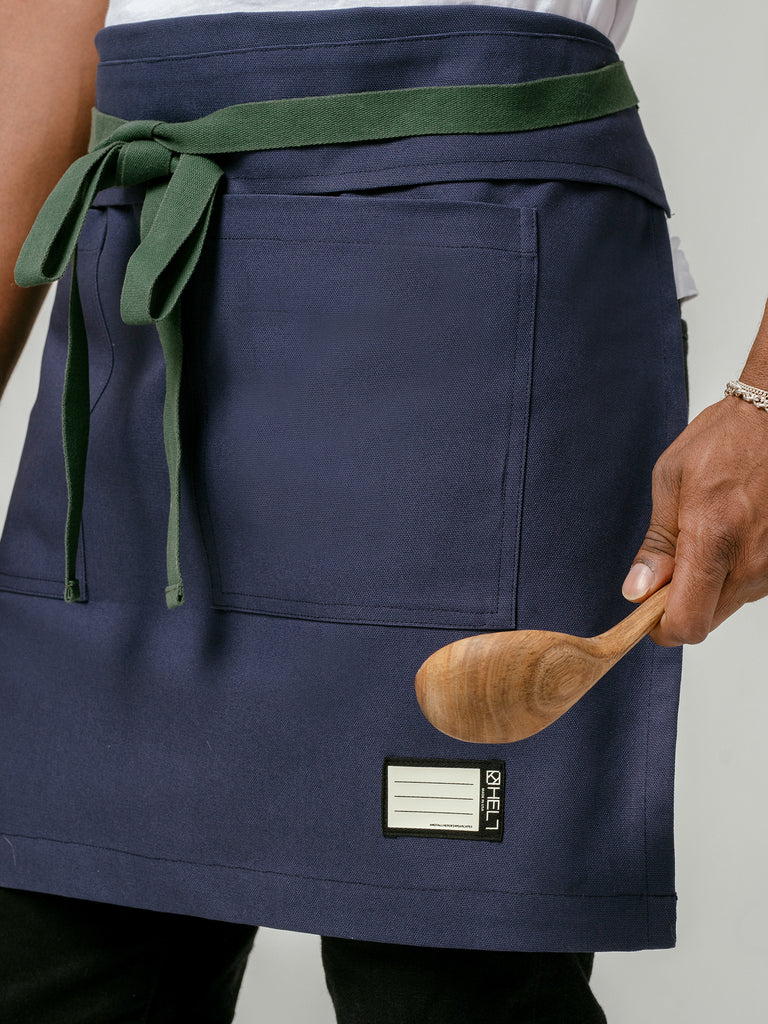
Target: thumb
x=655, y=561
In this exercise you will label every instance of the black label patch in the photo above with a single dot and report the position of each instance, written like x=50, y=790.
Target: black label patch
x=456, y=799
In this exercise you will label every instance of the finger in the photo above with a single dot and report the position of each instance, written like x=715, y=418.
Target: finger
x=654, y=563
x=696, y=592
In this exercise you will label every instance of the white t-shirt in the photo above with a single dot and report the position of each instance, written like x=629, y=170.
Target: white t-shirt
x=611, y=17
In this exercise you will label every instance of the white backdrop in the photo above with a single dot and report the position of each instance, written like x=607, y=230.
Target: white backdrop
x=702, y=76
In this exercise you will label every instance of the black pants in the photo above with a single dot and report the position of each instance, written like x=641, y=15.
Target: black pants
x=69, y=961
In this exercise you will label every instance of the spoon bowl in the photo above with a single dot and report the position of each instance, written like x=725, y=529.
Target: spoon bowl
x=506, y=686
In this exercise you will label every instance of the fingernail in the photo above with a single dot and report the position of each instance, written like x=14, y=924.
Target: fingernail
x=638, y=582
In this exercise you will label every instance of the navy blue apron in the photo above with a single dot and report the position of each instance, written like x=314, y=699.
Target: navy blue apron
x=426, y=380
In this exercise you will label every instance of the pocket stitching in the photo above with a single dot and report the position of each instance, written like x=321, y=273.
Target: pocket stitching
x=524, y=253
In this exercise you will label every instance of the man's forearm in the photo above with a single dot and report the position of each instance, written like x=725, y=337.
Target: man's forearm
x=47, y=67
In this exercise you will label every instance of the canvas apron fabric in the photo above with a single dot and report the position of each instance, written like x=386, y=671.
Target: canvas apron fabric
x=425, y=382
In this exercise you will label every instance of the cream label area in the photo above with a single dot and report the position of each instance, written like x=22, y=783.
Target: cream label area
x=452, y=799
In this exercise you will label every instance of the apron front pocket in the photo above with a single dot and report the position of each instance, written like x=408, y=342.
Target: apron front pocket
x=360, y=370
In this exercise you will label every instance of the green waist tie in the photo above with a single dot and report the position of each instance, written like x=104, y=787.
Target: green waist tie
x=174, y=160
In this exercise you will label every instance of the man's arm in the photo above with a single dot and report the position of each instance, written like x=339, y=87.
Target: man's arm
x=709, y=526
x=47, y=70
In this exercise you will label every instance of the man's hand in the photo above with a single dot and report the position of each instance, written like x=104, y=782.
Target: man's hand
x=709, y=526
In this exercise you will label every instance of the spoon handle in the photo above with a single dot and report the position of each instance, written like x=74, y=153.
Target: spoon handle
x=625, y=634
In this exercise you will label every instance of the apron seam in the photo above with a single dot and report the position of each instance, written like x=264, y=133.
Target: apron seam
x=448, y=163
x=341, y=881
x=107, y=334
x=374, y=41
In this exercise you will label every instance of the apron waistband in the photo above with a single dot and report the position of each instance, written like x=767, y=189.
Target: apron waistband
x=174, y=161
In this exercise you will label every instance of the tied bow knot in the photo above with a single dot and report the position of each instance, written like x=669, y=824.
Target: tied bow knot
x=174, y=217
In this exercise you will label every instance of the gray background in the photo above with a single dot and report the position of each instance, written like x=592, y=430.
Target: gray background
x=702, y=76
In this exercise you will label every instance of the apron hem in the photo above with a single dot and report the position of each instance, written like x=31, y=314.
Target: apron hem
x=343, y=908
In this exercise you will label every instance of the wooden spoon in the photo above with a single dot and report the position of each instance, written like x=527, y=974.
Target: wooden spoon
x=503, y=687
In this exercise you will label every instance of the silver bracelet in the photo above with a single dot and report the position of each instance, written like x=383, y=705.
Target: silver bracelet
x=748, y=393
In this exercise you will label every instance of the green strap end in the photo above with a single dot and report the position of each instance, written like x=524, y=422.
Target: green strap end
x=72, y=591
x=174, y=595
